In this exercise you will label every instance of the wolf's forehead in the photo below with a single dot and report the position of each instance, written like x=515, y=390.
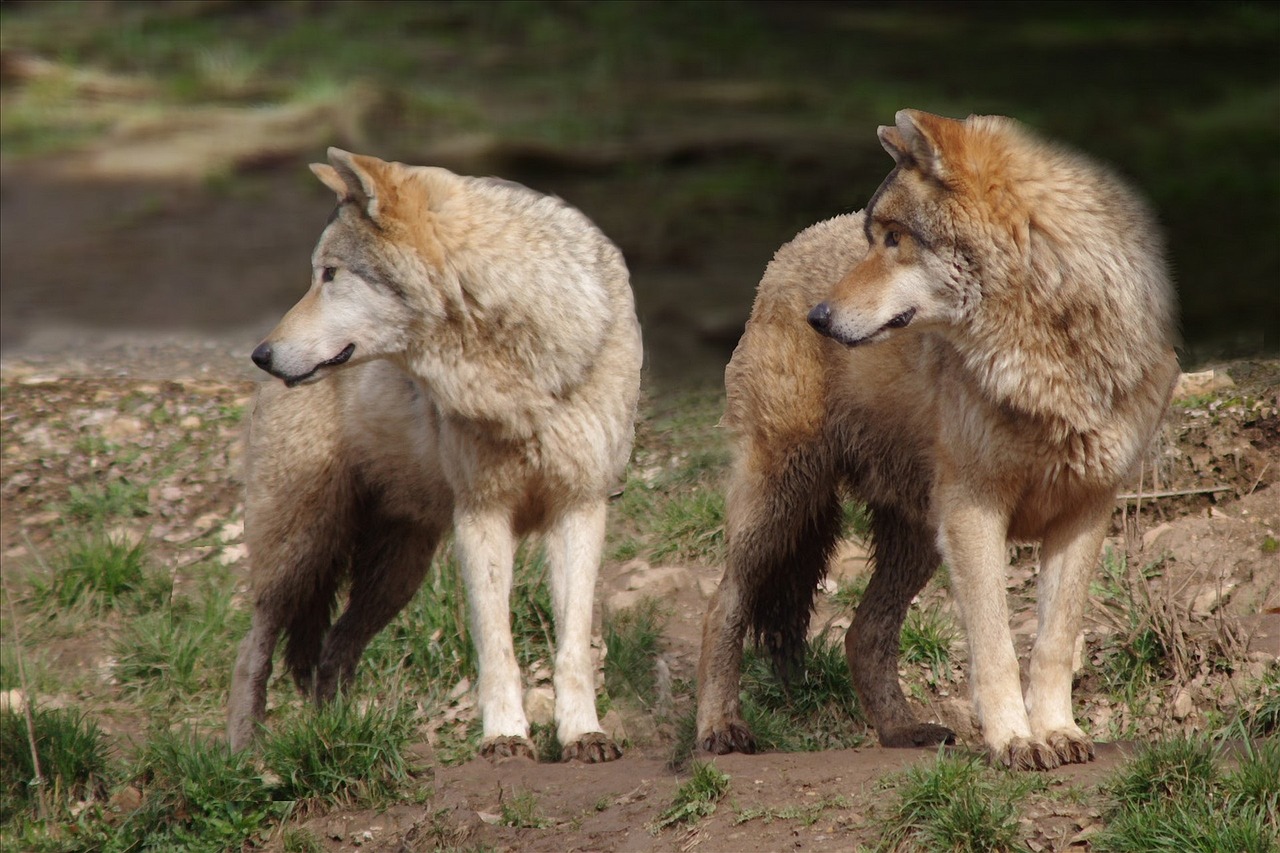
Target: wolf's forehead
x=341, y=234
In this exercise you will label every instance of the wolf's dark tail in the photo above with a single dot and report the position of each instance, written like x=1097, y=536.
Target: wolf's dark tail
x=783, y=528
x=309, y=618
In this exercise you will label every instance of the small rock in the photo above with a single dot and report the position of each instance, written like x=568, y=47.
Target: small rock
x=1182, y=705
x=122, y=428
x=190, y=422
x=13, y=700
x=1153, y=535
x=540, y=705
x=1204, y=382
x=613, y=726
x=1211, y=597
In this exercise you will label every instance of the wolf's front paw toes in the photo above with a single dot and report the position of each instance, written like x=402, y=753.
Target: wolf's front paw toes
x=1023, y=754
x=591, y=748
x=730, y=736
x=507, y=746
x=1071, y=747
x=918, y=734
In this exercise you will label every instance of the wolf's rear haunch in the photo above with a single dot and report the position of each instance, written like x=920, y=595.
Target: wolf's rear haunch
x=468, y=358
x=981, y=358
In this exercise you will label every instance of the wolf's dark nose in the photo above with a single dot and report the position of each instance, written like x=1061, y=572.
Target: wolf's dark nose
x=262, y=356
x=820, y=317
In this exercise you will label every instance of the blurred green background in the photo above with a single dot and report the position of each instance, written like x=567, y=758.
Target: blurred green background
x=699, y=135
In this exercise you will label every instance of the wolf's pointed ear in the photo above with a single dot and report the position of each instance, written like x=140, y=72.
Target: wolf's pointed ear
x=912, y=142
x=329, y=177
x=359, y=176
x=892, y=142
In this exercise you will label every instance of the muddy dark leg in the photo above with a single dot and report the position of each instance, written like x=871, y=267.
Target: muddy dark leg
x=905, y=558
x=782, y=527
x=389, y=564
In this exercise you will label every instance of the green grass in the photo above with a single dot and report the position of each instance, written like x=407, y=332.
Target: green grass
x=1264, y=716
x=179, y=656
x=633, y=640
x=73, y=758
x=690, y=527
x=928, y=638
x=98, y=503
x=957, y=804
x=695, y=799
x=817, y=710
x=806, y=815
x=350, y=752
x=99, y=571
x=1174, y=798
x=520, y=810
x=198, y=795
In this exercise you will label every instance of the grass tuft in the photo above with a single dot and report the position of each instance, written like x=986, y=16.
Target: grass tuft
x=1172, y=799
x=348, y=752
x=98, y=570
x=198, y=795
x=73, y=760
x=928, y=638
x=695, y=799
x=633, y=640
x=520, y=810
x=817, y=710
x=99, y=503
x=958, y=804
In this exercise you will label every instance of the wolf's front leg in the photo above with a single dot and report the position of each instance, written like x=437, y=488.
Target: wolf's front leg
x=1067, y=557
x=972, y=535
x=573, y=549
x=486, y=550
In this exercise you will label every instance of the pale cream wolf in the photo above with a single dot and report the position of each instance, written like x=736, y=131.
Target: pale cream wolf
x=993, y=351
x=467, y=356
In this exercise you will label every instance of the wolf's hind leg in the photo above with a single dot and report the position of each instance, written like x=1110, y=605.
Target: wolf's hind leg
x=781, y=528
x=1068, y=556
x=573, y=550
x=486, y=550
x=248, y=703
x=388, y=565
x=295, y=572
x=905, y=558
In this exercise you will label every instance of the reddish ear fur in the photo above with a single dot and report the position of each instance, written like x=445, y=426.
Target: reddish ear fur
x=329, y=177
x=918, y=135
x=360, y=176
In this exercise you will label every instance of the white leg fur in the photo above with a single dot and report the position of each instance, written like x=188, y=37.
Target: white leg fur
x=1067, y=560
x=573, y=551
x=972, y=540
x=486, y=550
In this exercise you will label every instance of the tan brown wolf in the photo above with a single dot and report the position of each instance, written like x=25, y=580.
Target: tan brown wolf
x=467, y=356
x=993, y=351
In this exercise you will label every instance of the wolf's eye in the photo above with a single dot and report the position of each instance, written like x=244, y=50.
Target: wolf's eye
x=891, y=239
x=328, y=273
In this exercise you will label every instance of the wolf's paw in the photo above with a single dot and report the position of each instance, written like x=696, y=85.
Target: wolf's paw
x=591, y=748
x=1022, y=754
x=507, y=746
x=732, y=736
x=1071, y=747
x=918, y=734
